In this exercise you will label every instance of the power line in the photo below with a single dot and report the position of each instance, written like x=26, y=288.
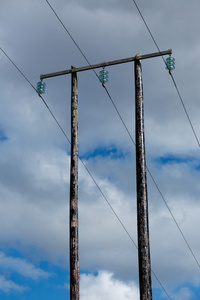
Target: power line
x=180, y=97
x=185, y=108
x=92, y=177
x=18, y=69
x=172, y=215
x=116, y=109
x=67, y=31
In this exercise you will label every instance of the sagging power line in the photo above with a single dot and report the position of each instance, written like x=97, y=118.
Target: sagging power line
x=172, y=77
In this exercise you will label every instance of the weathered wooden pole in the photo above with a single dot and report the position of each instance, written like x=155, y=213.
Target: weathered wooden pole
x=74, y=247
x=142, y=197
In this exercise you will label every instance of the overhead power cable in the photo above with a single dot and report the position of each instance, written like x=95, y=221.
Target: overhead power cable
x=90, y=174
x=65, y=28
x=174, y=82
x=116, y=109
x=18, y=69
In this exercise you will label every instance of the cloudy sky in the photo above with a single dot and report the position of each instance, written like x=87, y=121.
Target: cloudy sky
x=35, y=155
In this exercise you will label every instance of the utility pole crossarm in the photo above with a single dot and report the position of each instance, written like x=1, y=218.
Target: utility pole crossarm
x=106, y=64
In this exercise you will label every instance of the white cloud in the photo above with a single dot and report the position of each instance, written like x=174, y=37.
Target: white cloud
x=104, y=286
x=183, y=294
x=22, y=267
x=8, y=286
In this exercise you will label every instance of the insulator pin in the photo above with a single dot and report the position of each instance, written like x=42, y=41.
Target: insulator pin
x=41, y=87
x=170, y=63
x=103, y=76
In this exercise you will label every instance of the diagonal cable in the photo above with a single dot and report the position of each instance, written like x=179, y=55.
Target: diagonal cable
x=178, y=92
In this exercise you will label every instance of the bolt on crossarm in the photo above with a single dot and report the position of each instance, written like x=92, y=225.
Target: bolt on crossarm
x=74, y=247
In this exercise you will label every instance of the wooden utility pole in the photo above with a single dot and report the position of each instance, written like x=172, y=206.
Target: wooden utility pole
x=142, y=201
x=74, y=247
x=142, y=197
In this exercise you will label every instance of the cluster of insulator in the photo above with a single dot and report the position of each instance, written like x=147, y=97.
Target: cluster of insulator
x=40, y=87
x=103, y=76
x=170, y=63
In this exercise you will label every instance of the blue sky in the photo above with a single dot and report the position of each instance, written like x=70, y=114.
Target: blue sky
x=35, y=155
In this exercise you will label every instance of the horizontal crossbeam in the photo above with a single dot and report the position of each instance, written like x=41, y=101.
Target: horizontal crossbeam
x=106, y=64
